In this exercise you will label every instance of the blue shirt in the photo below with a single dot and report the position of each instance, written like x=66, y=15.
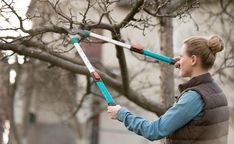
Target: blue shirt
x=189, y=107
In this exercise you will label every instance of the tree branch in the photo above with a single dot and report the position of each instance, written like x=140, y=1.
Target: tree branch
x=122, y=64
x=131, y=14
x=132, y=95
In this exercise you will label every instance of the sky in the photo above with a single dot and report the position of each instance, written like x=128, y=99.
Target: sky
x=21, y=7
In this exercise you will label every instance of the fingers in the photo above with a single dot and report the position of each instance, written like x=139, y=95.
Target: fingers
x=111, y=114
x=177, y=64
x=112, y=111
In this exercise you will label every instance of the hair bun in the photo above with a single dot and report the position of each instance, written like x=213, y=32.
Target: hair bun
x=215, y=44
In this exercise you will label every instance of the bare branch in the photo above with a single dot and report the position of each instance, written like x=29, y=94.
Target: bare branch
x=137, y=7
x=16, y=14
x=58, y=10
x=132, y=95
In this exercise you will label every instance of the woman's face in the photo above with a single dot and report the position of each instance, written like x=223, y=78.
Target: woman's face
x=185, y=63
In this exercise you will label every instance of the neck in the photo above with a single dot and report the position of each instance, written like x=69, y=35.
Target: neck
x=198, y=72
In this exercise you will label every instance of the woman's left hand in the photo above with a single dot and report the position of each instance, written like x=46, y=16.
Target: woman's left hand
x=177, y=64
x=112, y=111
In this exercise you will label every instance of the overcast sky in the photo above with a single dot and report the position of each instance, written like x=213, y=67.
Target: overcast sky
x=21, y=7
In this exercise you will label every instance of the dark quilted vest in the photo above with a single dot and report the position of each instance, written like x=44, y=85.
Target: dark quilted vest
x=212, y=127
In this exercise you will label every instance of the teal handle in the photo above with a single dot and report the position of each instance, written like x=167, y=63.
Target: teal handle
x=159, y=57
x=105, y=93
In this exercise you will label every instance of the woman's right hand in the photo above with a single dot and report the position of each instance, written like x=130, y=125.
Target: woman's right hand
x=177, y=64
x=113, y=110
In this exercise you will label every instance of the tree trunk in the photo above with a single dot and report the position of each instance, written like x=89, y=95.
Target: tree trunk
x=95, y=124
x=4, y=84
x=14, y=135
x=167, y=73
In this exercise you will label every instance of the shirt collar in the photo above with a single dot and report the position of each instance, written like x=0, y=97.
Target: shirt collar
x=204, y=78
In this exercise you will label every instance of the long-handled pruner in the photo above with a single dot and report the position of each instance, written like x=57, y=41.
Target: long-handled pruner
x=95, y=75
x=134, y=48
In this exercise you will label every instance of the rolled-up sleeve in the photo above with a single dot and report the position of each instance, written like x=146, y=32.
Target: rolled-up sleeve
x=188, y=107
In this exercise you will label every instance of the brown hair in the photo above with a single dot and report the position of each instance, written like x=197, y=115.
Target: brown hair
x=204, y=48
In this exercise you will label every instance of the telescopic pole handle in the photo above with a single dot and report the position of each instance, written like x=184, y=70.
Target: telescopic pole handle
x=95, y=75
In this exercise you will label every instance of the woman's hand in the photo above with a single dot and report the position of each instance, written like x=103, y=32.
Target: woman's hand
x=177, y=64
x=112, y=111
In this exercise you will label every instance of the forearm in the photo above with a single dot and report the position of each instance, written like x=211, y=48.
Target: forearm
x=148, y=129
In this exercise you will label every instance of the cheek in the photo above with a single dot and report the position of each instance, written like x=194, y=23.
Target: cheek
x=184, y=67
x=185, y=62
x=182, y=63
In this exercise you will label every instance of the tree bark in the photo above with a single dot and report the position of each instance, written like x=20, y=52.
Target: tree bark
x=167, y=73
x=4, y=85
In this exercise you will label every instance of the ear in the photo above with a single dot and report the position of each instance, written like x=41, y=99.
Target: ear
x=194, y=60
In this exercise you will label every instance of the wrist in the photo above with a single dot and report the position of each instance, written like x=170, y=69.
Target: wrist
x=121, y=114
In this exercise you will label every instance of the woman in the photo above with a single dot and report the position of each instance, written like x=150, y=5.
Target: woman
x=200, y=114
